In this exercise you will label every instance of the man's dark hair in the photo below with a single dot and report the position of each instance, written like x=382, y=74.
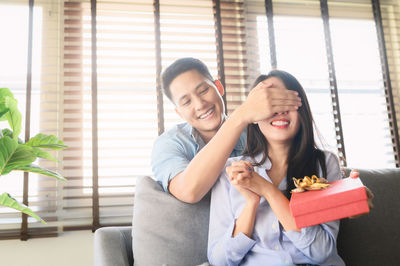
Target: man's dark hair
x=180, y=66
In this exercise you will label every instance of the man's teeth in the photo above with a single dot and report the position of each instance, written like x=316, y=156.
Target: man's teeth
x=206, y=114
x=280, y=123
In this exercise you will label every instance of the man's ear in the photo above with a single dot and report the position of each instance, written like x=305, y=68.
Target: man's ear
x=178, y=113
x=219, y=87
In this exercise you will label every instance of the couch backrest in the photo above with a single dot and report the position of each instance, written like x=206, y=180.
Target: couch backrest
x=168, y=231
x=374, y=239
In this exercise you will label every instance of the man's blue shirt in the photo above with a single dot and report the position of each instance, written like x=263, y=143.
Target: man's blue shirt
x=175, y=148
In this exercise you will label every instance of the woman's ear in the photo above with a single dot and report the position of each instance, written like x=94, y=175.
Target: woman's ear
x=219, y=87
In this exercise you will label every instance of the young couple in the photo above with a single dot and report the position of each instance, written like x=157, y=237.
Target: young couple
x=269, y=140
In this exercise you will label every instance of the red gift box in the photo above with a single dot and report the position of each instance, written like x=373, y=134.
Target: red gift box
x=343, y=198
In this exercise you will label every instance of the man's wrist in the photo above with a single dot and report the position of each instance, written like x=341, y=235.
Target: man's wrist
x=239, y=116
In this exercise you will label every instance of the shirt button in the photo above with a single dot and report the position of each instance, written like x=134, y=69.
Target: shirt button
x=276, y=247
x=273, y=226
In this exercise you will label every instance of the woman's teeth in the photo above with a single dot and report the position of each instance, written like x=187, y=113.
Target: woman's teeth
x=280, y=123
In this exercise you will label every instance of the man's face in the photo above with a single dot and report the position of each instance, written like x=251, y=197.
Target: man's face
x=198, y=102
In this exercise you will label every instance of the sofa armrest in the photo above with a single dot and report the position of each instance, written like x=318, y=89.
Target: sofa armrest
x=113, y=246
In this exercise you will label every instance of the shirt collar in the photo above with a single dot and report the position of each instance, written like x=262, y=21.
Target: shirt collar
x=197, y=138
x=200, y=142
x=266, y=165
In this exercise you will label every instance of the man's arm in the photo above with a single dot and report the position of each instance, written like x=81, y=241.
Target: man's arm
x=200, y=175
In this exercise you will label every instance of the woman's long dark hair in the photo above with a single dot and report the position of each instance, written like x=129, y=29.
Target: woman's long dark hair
x=304, y=157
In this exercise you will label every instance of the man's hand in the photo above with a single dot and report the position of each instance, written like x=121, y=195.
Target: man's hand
x=266, y=99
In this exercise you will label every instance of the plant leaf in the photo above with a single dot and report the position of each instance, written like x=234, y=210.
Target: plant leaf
x=8, y=147
x=23, y=155
x=8, y=201
x=8, y=132
x=4, y=93
x=46, y=142
x=40, y=170
x=13, y=116
x=44, y=154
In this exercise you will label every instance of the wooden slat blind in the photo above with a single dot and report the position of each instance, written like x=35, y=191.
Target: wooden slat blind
x=234, y=50
x=187, y=30
x=390, y=12
x=42, y=192
x=126, y=108
x=76, y=207
x=360, y=84
x=120, y=94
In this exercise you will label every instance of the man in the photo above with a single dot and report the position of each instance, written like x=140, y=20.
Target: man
x=188, y=158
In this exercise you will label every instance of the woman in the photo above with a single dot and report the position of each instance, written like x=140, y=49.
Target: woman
x=250, y=219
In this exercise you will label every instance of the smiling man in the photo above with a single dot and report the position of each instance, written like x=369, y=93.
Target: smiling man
x=187, y=159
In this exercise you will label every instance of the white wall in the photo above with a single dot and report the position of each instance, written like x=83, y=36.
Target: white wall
x=70, y=248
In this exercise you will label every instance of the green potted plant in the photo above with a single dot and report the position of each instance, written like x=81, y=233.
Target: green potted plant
x=15, y=155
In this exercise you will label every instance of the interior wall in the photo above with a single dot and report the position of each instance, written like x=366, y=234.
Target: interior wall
x=70, y=248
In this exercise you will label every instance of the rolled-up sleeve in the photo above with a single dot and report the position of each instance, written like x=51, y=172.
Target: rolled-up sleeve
x=168, y=158
x=223, y=249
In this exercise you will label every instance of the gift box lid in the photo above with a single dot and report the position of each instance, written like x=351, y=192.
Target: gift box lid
x=340, y=192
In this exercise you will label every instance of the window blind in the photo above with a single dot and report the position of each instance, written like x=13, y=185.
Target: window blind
x=300, y=38
x=126, y=109
x=104, y=105
x=360, y=84
x=187, y=30
x=42, y=194
x=76, y=193
x=234, y=52
x=390, y=11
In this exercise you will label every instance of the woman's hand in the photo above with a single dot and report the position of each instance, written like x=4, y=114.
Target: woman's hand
x=355, y=174
x=242, y=171
x=241, y=174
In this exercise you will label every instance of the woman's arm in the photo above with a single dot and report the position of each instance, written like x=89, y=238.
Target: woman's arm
x=229, y=238
x=245, y=222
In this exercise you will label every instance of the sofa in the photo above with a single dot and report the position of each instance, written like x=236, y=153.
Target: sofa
x=169, y=232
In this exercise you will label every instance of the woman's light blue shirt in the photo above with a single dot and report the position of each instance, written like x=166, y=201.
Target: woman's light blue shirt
x=270, y=244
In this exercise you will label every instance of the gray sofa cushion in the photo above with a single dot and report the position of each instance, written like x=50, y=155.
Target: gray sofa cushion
x=113, y=246
x=166, y=230
x=374, y=239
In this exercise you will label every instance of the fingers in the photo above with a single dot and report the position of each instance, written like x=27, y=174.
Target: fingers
x=238, y=172
x=354, y=173
x=370, y=196
x=271, y=91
